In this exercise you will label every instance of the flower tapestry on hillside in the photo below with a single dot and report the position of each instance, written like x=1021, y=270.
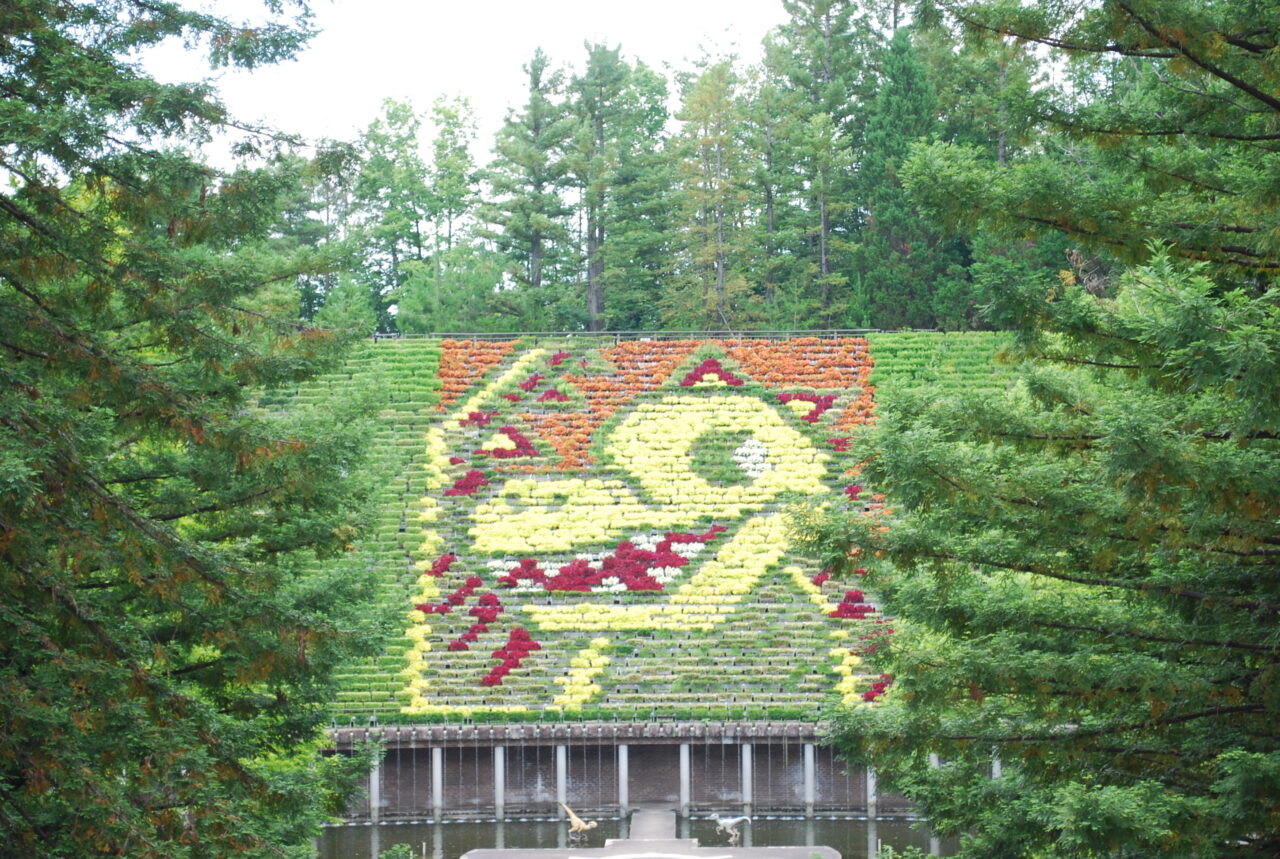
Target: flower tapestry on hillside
x=604, y=524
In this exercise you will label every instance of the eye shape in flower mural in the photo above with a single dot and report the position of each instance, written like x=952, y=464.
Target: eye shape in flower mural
x=639, y=507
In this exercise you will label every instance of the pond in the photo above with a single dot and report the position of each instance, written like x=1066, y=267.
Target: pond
x=855, y=838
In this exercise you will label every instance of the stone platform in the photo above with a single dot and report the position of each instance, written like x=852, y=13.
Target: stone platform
x=653, y=836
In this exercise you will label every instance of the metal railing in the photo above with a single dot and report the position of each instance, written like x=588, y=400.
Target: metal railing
x=616, y=336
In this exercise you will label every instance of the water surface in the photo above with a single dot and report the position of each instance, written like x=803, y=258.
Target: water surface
x=855, y=838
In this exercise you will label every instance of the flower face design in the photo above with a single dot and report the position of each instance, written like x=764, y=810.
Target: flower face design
x=645, y=494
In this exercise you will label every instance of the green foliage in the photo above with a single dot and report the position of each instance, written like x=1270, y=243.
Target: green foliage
x=709, y=287
x=775, y=651
x=346, y=308
x=399, y=851
x=167, y=633
x=914, y=275
x=1083, y=571
x=392, y=204
x=460, y=289
x=528, y=177
x=616, y=162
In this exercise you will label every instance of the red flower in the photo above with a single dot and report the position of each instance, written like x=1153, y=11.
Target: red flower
x=518, y=646
x=526, y=569
x=442, y=564
x=709, y=367
x=558, y=359
x=878, y=688
x=551, y=395
x=840, y=444
x=456, y=460
x=458, y=645
x=468, y=483
x=532, y=382
x=821, y=578
x=479, y=419
x=515, y=398
x=821, y=402
x=853, y=490
x=852, y=607
x=523, y=447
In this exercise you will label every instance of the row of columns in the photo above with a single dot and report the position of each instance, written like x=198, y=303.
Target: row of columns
x=746, y=763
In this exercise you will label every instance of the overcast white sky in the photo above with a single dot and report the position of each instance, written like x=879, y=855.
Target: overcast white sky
x=372, y=49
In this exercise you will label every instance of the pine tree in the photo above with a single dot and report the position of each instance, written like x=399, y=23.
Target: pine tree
x=770, y=114
x=908, y=269
x=527, y=178
x=1084, y=572
x=166, y=638
x=712, y=179
x=393, y=204
x=821, y=53
x=622, y=175
x=452, y=193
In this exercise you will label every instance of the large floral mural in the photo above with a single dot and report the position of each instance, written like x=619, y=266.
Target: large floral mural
x=607, y=526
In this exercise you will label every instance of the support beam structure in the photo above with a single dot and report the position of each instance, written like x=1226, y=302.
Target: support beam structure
x=747, y=778
x=437, y=784
x=500, y=782
x=810, y=780
x=686, y=779
x=871, y=794
x=562, y=777
x=375, y=792
x=624, y=779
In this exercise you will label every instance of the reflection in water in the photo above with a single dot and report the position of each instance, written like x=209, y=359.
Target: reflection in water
x=854, y=838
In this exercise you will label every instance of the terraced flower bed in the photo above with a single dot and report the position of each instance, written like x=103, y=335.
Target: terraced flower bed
x=586, y=529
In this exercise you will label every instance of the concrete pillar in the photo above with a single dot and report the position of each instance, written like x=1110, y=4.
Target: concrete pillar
x=997, y=769
x=686, y=779
x=935, y=843
x=871, y=794
x=437, y=783
x=500, y=782
x=873, y=838
x=375, y=792
x=810, y=780
x=562, y=777
x=747, y=798
x=624, y=779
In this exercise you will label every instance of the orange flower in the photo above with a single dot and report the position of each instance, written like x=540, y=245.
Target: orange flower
x=463, y=362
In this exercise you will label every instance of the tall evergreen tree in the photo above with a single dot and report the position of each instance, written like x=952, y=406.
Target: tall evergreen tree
x=709, y=288
x=166, y=641
x=770, y=114
x=527, y=178
x=1084, y=572
x=452, y=193
x=821, y=51
x=598, y=93
x=623, y=179
x=909, y=272
x=393, y=203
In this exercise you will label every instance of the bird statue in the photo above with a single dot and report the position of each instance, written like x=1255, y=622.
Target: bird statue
x=729, y=826
x=578, y=827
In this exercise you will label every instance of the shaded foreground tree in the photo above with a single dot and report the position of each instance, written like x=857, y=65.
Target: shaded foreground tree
x=164, y=635
x=1086, y=574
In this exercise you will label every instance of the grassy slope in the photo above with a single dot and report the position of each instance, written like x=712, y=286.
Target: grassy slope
x=772, y=658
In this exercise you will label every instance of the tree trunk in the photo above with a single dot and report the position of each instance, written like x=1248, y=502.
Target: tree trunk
x=595, y=271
